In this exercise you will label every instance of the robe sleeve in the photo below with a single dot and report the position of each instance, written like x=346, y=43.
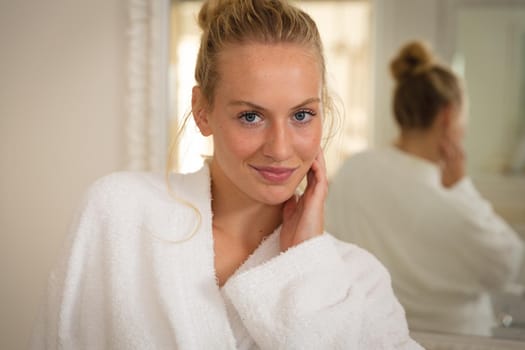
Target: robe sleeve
x=317, y=296
x=493, y=251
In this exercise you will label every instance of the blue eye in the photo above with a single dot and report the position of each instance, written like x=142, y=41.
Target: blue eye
x=250, y=118
x=304, y=116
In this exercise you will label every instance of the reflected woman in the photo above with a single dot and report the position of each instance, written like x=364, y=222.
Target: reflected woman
x=414, y=207
x=229, y=257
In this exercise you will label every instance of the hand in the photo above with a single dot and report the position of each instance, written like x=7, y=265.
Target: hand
x=452, y=162
x=303, y=217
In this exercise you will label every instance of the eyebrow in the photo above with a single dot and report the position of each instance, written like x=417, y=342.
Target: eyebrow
x=255, y=106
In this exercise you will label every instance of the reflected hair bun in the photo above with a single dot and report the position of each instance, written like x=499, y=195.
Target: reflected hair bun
x=413, y=58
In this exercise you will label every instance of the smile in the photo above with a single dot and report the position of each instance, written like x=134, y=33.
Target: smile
x=275, y=174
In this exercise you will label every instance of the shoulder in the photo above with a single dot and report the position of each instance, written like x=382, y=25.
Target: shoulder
x=367, y=161
x=119, y=187
x=361, y=157
x=130, y=204
x=127, y=190
x=121, y=181
x=371, y=155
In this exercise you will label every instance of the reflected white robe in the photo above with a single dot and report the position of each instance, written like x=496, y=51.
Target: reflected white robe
x=444, y=248
x=126, y=283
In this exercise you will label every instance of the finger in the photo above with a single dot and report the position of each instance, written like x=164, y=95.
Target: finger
x=316, y=180
x=310, y=180
x=319, y=168
x=460, y=151
x=447, y=150
x=319, y=164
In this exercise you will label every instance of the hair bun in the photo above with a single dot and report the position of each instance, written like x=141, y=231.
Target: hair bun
x=413, y=58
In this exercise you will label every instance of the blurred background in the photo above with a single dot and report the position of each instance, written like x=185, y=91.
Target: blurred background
x=91, y=87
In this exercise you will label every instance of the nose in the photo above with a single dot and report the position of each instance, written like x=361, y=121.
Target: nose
x=278, y=143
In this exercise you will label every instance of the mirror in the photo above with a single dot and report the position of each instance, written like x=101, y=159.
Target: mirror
x=483, y=40
x=490, y=54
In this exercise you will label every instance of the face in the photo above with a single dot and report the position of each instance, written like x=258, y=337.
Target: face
x=266, y=120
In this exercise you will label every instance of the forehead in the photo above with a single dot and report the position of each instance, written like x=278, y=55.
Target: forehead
x=258, y=69
x=260, y=52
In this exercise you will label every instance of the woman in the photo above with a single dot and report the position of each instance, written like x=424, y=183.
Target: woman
x=228, y=257
x=413, y=206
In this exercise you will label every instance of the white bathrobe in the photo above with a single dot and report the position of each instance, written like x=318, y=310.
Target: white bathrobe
x=445, y=248
x=129, y=281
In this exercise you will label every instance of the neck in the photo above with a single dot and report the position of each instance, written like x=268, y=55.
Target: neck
x=422, y=144
x=240, y=217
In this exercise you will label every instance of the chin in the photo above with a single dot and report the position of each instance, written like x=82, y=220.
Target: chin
x=272, y=197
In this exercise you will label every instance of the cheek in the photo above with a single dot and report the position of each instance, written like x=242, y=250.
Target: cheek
x=239, y=145
x=308, y=143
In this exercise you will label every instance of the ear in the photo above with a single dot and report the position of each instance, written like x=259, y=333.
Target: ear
x=444, y=119
x=199, y=111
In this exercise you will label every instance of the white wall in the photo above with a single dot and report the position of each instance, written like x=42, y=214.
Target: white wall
x=62, y=81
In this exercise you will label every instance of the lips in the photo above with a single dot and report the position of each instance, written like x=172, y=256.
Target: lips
x=275, y=174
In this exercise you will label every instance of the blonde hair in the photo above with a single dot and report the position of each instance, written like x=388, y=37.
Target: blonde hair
x=226, y=22
x=423, y=87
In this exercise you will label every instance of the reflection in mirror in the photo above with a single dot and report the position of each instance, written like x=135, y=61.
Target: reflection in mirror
x=490, y=52
x=492, y=59
x=414, y=207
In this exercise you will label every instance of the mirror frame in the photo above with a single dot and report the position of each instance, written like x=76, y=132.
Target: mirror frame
x=147, y=86
x=439, y=341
